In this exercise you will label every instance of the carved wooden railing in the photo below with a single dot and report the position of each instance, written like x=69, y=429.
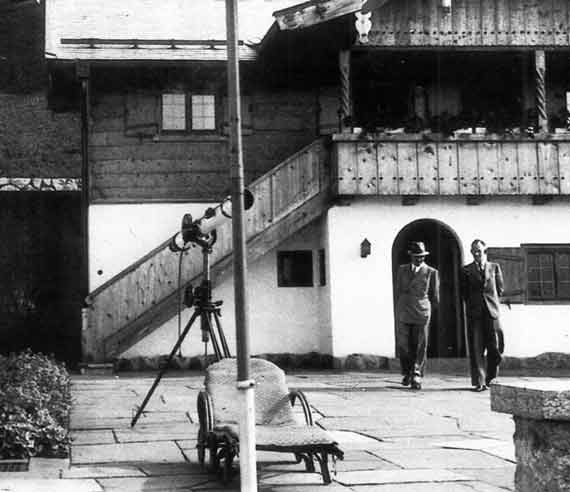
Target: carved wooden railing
x=117, y=309
x=414, y=165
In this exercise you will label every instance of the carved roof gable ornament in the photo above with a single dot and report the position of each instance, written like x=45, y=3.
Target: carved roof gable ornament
x=363, y=25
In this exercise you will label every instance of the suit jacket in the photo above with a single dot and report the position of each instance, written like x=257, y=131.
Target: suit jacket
x=415, y=293
x=481, y=292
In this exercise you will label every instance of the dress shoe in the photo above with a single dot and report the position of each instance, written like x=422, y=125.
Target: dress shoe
x=479, y=388
x=489, y=382
x=416, y=384
x=406, y=381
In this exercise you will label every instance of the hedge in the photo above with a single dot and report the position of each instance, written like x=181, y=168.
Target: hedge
x=35, y=402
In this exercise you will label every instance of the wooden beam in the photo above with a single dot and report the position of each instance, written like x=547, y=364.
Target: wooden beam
x=314, y=12
x=540, y=88
x=164, y=310
x=83, y=76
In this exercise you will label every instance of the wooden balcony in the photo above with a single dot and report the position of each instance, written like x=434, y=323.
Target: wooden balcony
x=431, y=165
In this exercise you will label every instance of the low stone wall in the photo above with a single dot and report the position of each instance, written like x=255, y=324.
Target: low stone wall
x=541, y=412
x=355, y=362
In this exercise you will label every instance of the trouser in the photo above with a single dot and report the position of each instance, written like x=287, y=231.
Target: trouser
x=412, y=340
x=484, y=335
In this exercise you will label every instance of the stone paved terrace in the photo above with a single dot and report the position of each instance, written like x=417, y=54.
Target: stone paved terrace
x=444, y=438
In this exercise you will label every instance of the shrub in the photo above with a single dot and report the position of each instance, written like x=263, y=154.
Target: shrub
x=35, y=401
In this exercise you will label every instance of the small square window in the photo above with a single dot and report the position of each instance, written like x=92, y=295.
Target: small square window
x=174, y=112
x=203, y=112
x=295, y=268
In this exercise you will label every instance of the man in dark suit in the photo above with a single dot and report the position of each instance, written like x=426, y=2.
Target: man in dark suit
x=481, y=286
x=417, y=290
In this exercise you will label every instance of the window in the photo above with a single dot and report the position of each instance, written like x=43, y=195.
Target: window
x=548, y=273
x=203, y=112
x=295, y=268
x=174, y=112
x=177, y=116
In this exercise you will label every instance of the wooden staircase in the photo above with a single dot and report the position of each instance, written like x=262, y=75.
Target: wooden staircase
x=141, y=298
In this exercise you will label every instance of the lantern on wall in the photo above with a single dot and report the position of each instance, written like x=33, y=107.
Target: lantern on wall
x=365, y=248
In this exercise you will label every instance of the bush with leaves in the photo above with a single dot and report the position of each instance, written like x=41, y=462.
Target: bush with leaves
x=35, y=401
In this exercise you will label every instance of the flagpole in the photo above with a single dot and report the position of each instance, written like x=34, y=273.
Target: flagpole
x=248, y=478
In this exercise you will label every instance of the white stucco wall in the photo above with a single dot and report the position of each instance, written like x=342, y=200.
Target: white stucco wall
x=362, y=315
x=282, y=319
x=120, y=234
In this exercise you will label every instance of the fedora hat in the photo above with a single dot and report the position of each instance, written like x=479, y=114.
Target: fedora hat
x=417, y=248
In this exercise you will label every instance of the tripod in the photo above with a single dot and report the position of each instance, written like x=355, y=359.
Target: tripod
x=205, y=309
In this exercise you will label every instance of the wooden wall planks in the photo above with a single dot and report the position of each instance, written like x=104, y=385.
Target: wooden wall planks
x=452, y=167
x=157, y=166
x=471, y=23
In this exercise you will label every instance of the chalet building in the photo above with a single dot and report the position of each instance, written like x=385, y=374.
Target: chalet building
x=365, y=125
x=41, y=273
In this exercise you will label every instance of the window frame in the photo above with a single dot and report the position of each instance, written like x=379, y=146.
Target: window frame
x=554, y=250
x=285, y=254
x=188, y=113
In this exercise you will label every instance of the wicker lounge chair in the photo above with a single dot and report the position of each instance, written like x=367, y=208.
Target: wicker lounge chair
x=277, y=427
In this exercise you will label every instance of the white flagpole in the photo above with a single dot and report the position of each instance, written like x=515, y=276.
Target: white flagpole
x=248, y=473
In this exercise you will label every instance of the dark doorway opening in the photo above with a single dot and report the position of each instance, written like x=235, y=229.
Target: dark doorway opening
x=447, y=327
x=40, y=272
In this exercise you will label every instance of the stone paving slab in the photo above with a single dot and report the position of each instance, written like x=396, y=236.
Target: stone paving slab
x=353, y=441
x=104, y=436
x=428, y=487
x=440, y=458
x=379, y=477
x=47, y=485
x=160, y=469
x=150, y=452
x=163, y=432
x=102, y=472
x=503, y=478
x=495, y=447
x=178, y=482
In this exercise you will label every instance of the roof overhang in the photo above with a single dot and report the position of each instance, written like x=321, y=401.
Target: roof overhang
x=314, y=12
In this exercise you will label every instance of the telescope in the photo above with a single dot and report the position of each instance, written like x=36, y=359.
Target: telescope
x=199, y=230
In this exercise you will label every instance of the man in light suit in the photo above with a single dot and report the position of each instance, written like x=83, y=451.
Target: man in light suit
x=417, y=291
x=481, y=286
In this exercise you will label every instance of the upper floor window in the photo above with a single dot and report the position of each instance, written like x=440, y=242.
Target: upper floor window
x=203, y=112
x=180, y=114
x=174, y=112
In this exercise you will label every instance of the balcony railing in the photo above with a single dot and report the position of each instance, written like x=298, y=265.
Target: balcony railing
x=433, y=165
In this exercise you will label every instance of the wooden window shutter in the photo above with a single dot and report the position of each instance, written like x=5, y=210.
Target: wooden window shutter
x=512, y=262
x=141, y=114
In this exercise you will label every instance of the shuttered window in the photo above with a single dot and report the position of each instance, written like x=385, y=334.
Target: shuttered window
x=548, y=270
x=534, y=272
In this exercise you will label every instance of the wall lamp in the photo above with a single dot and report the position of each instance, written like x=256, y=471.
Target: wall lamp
x=365, y=248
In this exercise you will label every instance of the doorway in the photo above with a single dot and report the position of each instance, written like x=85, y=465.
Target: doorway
x=40, y=268
x=447, y=326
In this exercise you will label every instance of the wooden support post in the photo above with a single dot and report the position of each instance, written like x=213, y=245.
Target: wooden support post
x=540, y=85
x=345, y=111
x=82, y=71
x=524, y=89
